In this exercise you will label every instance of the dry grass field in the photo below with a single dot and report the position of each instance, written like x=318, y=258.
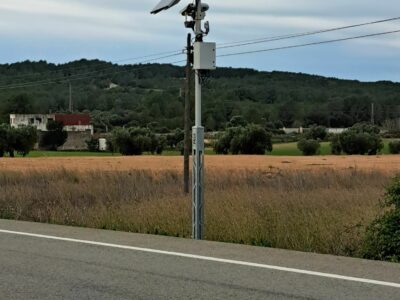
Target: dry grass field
x=264, y=201
x=387, y=163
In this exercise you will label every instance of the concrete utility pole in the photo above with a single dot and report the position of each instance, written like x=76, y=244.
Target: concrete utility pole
x=187, y=141
x=204, y=58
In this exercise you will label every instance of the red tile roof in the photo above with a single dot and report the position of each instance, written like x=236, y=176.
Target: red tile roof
x=73, y=119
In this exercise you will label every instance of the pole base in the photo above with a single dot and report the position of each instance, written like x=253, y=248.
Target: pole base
x=198, y=182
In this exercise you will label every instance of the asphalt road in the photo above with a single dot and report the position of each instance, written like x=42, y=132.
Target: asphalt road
x=40, y=261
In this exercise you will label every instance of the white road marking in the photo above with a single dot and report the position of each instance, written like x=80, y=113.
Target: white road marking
x=208, y=258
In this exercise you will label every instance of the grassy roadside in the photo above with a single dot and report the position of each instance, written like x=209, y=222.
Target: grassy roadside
x=323, y=211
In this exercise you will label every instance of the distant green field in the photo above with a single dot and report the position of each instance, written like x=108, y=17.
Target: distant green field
x=290, y=149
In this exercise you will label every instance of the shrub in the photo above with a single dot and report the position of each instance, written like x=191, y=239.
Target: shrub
x=255, y=140
x=237, y=121
x=251, y=140
x=223, y=143
x=361, y=143
x=3, y=139
x=360, y=139
x=174, y=138
x=135, y=141
x=394, y=147
x=383, y=235
x=316, y=133
x=25, y=139
x=21, y=140
x=309, y=147
x=336, y=147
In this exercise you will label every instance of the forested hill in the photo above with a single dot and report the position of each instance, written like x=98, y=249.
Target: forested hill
x=143, y=95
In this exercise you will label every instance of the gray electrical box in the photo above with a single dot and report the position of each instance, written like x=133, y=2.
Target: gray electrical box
x=204, y=56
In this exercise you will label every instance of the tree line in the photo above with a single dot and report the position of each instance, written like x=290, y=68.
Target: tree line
x=150, y=96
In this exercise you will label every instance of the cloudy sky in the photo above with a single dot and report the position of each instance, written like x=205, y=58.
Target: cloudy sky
x=64, y=30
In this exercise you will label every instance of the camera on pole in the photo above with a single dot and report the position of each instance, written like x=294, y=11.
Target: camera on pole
x=204, y=60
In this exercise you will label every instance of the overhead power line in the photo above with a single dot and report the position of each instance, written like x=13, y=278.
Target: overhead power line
x=168, y=54
x=309, y=44
x=302, y=34
x=222, y=46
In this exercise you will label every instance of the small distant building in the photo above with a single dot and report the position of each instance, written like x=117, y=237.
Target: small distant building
x=78, y=126
x=112, y=86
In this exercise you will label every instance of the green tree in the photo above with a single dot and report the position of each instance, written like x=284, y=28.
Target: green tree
x=21, y=140
x=135, y=141
x=251, y=140
x=25, y=139
x=309, y=147
x=336, y=147
x=360, y=139
x=237, y=121
x=255, y=140
x=223, y=143
x=3, y=139
x=54, y=137
x=317, y=133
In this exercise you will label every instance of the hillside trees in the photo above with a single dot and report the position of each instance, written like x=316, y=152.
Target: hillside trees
x=151, y=94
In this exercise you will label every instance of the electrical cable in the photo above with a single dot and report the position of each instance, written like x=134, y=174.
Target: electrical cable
x=295, y=35
x=227, y=45
x=235, y=44
x=309, y=44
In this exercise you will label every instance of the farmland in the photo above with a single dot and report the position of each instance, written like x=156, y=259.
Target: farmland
x=320, y=204
x=386, y=163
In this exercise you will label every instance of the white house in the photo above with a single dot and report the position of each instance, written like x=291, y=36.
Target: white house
x=72, y=122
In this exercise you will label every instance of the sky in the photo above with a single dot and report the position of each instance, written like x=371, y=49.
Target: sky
x=60, y=31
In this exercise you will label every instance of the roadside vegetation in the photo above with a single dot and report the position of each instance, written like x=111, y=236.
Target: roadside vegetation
x=383, y=235
x=324, y=211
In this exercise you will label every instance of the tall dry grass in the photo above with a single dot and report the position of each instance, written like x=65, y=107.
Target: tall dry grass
x=324, y=211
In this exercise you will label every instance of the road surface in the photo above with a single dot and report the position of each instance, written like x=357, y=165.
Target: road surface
x=39, y=261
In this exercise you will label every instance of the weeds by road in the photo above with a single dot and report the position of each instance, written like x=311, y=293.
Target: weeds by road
x=323, y=211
